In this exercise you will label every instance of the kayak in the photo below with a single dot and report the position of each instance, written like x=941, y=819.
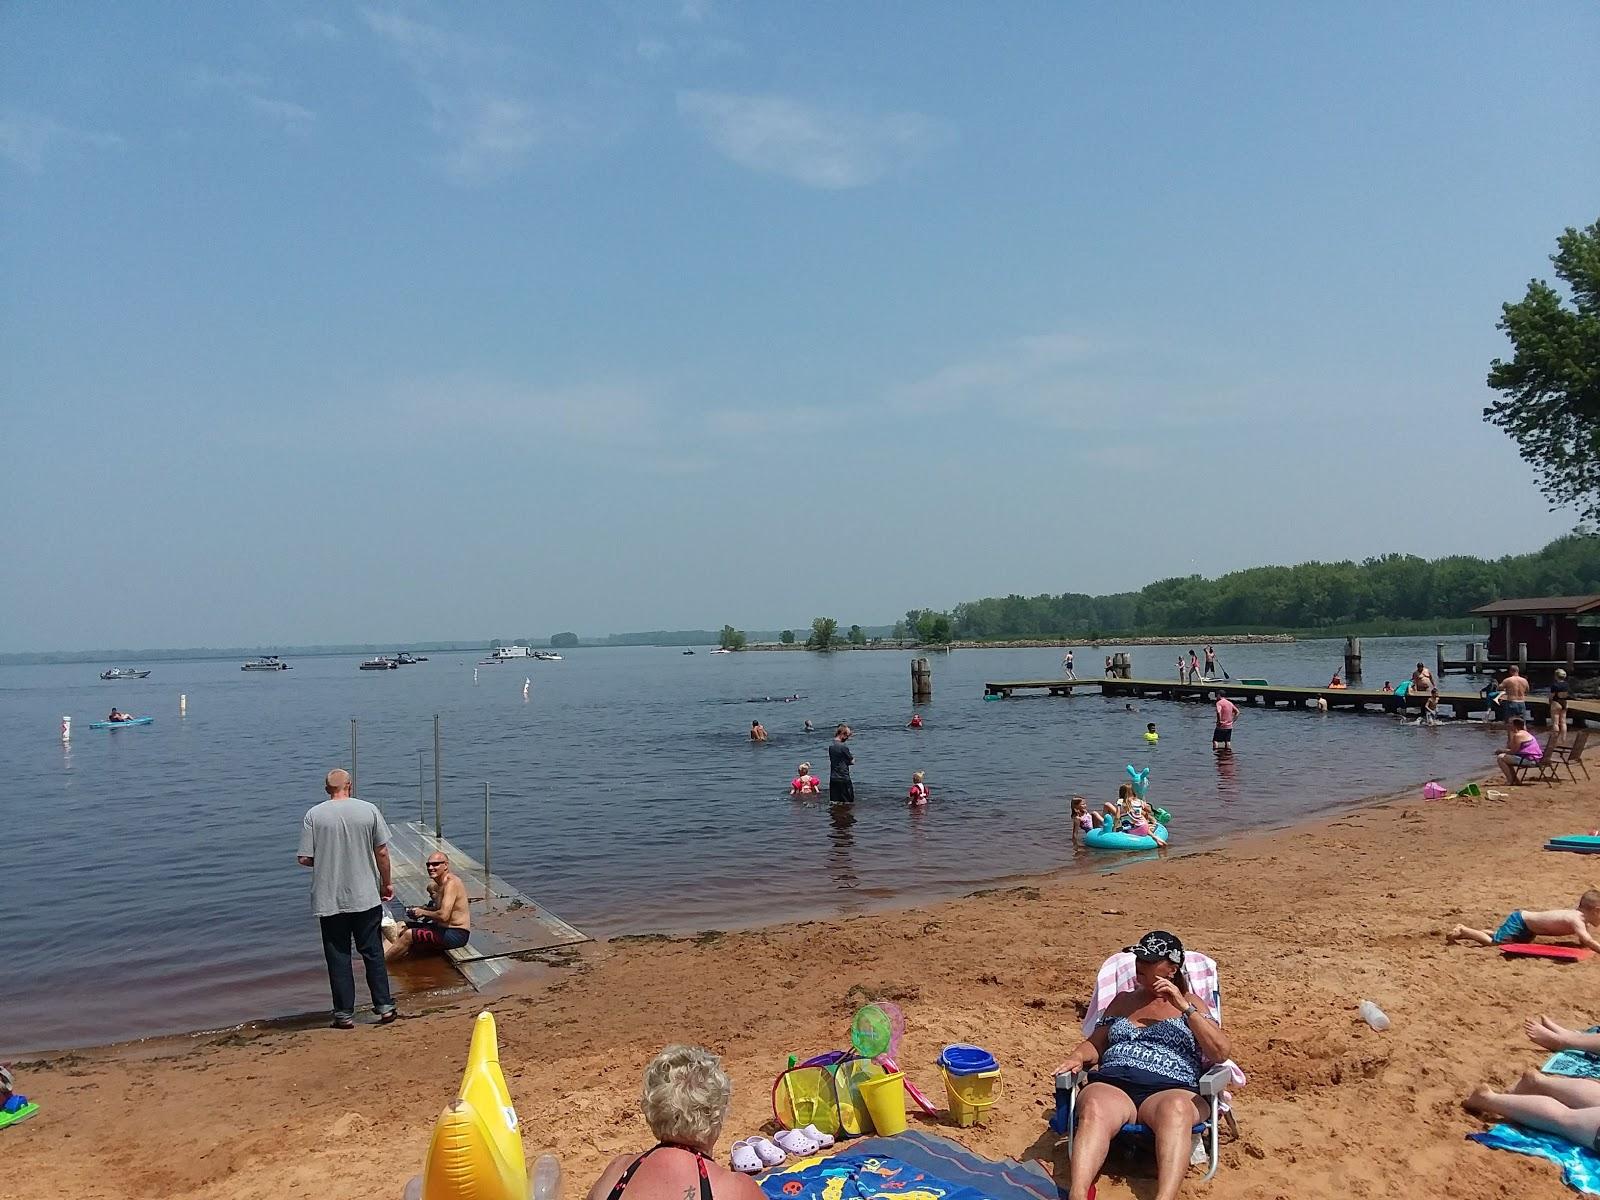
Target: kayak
x=120, y=724
x=1099, y=839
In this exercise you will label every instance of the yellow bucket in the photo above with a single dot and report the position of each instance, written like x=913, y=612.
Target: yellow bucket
x=885, y=1099
x=971, y=1096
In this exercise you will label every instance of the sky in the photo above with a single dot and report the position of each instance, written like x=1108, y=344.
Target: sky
x=394, y=321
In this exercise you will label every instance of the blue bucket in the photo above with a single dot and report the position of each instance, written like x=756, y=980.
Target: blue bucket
x=967, y=1060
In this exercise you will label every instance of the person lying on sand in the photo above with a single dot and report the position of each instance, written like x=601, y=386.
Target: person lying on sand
x=1551, y=1036
x=1524, y=925
x=445, y=923
x=1558, y=1104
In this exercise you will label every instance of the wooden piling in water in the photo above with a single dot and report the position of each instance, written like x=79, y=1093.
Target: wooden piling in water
x=921, y=681
x=438, y=786
x=353, y=756
x=1352, y=660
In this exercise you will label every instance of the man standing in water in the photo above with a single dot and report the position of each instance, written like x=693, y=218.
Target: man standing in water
x=346, y=844
x=1227, y=714
x=840, y=788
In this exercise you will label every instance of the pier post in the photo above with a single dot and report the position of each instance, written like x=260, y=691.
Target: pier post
x=1572, y=660
x=488, y=872
x=1438, y=662
x=422, y=802
x=1522, y=657
x=66, y=728
x=352, y=756
x=1475, y=653
x=921, y=681
x=183, y=704
x=438, y=810
x=1352, y=660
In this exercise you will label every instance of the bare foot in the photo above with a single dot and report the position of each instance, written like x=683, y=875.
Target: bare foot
x=1480, y=1100
x=1454, y=935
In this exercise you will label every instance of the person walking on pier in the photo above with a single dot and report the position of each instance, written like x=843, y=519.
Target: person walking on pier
x=345, y=842
x=1227, y=714
x=841, y=790
x=1066, y=666
x=1194, y=667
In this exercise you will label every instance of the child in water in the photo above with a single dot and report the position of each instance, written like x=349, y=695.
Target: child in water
x=917, y=793
x=1114, y=812
x=804, y=783
x=1150, y=734
x=1082, y=818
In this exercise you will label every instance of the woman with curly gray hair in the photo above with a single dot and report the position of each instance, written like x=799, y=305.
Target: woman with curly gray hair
x=685, y=1101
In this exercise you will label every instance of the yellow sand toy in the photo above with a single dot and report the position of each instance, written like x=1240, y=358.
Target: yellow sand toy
x=476, y=1149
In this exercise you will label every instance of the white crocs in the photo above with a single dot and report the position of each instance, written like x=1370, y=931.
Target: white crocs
x=816, y=1135
x=768, y=1153
x=797, y=1142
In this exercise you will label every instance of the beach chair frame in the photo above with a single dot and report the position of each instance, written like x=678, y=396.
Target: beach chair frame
x=1544, y=769
x=1213, y=1086
x=1570, y=754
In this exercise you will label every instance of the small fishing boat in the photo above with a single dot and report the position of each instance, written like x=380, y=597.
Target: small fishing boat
x=546, y=656
x=267, y=662
x=406, y=659
x=723, y=650
x=123, y=673
x=688, y=651
x=380, y=664
x=120, y=724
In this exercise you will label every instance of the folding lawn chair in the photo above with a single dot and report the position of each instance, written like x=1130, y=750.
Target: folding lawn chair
x=1117, y=976
x=1544, y=768
x=1571, y=755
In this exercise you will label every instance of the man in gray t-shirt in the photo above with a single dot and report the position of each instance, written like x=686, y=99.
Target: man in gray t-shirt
x=346, y=844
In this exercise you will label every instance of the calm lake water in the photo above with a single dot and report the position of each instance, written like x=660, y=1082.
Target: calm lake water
x=152, y=873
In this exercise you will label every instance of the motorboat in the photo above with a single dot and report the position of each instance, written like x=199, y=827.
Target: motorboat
x=406, y=659
x=722, y=650
x=688, y=651
x=380, y=664
x=123, y=673
x=267, y=662
x=546, y=656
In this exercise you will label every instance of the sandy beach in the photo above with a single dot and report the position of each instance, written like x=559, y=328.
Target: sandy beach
x=1305, y=923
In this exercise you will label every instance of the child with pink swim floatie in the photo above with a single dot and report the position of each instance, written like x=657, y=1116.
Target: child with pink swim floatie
x=804, y=783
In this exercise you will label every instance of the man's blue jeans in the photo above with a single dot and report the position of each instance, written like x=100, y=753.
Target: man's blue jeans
x=366, y=930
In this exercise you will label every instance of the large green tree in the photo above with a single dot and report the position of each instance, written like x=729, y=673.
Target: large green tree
x=731, y=638
x=1551, y=385
x=824, y=633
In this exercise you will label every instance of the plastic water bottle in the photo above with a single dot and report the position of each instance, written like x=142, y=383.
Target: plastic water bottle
x=547, y=1178
x=1374, y=1016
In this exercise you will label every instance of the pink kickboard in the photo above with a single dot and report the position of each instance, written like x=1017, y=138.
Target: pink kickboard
x=1539, y=950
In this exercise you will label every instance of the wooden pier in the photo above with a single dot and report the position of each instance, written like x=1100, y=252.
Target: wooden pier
x=1460, y=704
x=506, y=924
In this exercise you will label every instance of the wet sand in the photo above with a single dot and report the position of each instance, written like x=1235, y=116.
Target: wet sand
x=1305, y=923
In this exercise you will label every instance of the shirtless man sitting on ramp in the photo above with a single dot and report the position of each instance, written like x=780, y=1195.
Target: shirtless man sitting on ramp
x=445, y=924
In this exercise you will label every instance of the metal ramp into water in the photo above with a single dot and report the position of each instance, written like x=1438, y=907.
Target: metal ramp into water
x=506, y=924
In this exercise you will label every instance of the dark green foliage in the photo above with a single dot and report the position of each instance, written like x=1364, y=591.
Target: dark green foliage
x=857, y=638
x=731, y=638
x=563, y=641
x=787, y=637
x=824, y=633
x=1551, y=386
x=1313, y=595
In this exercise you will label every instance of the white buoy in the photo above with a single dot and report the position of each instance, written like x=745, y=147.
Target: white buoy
x=474, y=674
x=183, y=704
x=66, y=729
x=526, y=683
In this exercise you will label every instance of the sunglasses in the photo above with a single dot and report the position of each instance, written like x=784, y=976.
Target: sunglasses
x=431, y=866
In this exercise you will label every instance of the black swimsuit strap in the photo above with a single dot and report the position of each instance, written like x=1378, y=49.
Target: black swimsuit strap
x=699, y=1162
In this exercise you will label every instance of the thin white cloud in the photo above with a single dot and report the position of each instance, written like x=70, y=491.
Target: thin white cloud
x=763, y=422
x=820, y=147
x=254, y=91
x=1022, y=366
x=488, y=128
x=28, y=140
x=315, y=29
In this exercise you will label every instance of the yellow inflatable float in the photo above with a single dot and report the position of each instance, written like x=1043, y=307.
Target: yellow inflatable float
x=476, y=1149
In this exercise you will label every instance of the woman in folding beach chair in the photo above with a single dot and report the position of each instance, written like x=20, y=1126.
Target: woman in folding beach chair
x=1146, y=1055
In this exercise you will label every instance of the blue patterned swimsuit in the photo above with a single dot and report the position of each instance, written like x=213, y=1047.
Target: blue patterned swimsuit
x=1143, y=1061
